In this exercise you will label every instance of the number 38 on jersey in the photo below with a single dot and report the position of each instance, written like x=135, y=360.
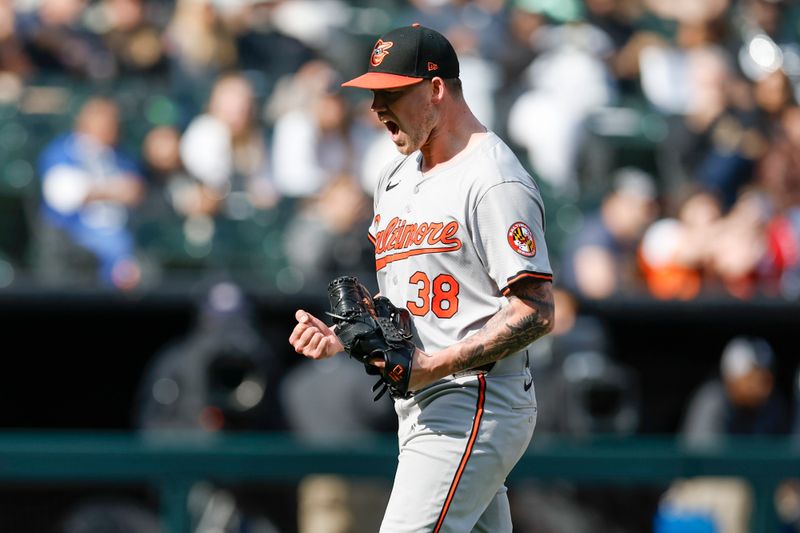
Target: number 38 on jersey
x=438, y=296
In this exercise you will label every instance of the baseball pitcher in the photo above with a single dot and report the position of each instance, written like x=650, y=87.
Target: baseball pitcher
x=465, y=286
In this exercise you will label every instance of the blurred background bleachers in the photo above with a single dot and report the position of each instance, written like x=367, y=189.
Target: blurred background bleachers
x=178, y=176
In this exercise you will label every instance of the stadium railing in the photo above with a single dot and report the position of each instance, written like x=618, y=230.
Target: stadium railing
x=171, y=463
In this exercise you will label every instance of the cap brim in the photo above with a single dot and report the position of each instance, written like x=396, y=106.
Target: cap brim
x=381, y=80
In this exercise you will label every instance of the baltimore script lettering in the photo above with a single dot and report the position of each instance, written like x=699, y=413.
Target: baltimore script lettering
x=403, y=240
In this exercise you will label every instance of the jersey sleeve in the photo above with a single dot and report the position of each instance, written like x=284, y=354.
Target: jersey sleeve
x=508, y=234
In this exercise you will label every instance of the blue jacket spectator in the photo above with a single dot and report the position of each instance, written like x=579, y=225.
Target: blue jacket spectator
x=89, y=188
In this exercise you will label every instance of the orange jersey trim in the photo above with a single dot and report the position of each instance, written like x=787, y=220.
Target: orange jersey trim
x=536, y=275
x=476, y=424
x=383, y=261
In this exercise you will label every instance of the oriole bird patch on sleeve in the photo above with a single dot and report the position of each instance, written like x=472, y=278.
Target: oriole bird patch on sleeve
x=520, y=237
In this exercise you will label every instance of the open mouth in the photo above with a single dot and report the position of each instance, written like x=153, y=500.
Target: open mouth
x=391, y=126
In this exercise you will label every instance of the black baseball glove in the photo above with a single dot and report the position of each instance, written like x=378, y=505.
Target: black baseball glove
x=372, y=329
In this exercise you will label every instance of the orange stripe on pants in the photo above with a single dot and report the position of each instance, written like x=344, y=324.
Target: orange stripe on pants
x=476, y=424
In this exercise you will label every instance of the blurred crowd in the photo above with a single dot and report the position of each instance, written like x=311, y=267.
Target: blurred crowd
x=141, y=140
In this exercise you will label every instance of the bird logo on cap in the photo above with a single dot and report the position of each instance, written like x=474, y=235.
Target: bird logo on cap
x=379, y=52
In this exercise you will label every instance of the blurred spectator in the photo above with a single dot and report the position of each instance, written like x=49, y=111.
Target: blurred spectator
x=599, y=395
x=783, y=242
x=787, y=503
x=177, y=216
x=744, y=400
x=715, y=127
x=262, y=47
x=14, y=63
x=779, y=174
x=225, y=149
x=315, y=136
x=695, y=22
x=567, y=81
x=737, y=258
x=57, y=41
x=717, y=137
x=327, y=234
x=322, y=25
x=221, y=376
x=517, y=41
x=773, y=95
x=174, y=191
x=690, y=71
x=673, y=253
x=600, y=259
x=317, y=151
x=199, y=48
x=614, y=17
x=741, y=253
x=622, y=22
x=681, y=80
x=295, y=90
x=90, y=190
x=131, y=37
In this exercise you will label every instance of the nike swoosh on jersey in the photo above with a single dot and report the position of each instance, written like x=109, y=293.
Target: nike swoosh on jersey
x=390, y=186
x=527, y=385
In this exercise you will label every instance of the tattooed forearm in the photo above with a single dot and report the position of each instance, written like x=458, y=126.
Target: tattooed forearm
x=475, y=356
x=520, y=334
x=528, y=317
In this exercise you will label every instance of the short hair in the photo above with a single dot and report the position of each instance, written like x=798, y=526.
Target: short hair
x=454, y=85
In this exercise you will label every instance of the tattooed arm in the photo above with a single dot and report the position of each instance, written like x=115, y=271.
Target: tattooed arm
x=528, y=316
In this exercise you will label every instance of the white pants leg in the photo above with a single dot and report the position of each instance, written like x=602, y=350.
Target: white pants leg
x=458, y=442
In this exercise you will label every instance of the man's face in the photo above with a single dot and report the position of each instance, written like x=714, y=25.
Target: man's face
x=407, y=113
x=751, y=389
x=99, y=120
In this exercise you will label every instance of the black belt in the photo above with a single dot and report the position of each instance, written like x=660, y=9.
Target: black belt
x=486, y=368
x=474, y=371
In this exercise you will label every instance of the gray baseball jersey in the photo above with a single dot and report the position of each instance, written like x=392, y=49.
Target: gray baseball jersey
x=448, y=244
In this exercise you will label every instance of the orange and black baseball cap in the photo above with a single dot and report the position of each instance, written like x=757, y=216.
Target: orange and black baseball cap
x=405, y=56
